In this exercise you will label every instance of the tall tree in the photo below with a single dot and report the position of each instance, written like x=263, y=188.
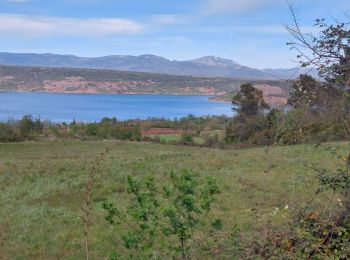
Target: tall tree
x=249, y=101
x=249, y=105
x=328, y=51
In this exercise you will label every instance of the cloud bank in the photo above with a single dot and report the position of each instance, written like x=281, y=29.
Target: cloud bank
x=34, y=26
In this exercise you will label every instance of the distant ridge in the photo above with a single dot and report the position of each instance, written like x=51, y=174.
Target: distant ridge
x=208, y=66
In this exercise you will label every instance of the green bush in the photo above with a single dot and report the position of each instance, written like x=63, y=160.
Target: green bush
x=163, y=221
x=8, y=133
x=187, y=138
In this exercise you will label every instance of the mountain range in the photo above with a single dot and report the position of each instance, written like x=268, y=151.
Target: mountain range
x=209, y=66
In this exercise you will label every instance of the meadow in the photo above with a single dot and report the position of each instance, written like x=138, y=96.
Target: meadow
x=42, y=186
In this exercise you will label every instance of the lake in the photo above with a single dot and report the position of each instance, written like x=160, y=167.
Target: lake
x=93, y=107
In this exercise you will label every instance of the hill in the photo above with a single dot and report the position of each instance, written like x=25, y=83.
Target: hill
x=209, y=66
x=74, y=80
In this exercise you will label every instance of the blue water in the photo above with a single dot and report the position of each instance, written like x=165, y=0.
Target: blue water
x=93, y=107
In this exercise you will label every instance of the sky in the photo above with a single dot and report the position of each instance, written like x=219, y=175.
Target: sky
x=250, y=32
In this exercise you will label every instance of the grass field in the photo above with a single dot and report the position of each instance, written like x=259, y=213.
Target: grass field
x=176, y=138
x=167, y=137
x=42, y=187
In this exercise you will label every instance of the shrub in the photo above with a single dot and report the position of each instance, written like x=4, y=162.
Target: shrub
x=164, y=220
x=187, y=138
x=8, y=133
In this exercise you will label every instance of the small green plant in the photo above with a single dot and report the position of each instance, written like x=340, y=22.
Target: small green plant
x=163, y=221
x=187, y=138
x=187, y=206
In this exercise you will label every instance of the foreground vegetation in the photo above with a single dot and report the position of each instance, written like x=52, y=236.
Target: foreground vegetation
x=43, y=188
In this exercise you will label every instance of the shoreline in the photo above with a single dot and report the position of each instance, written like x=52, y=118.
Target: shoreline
x=100, y=93
x=213, y=98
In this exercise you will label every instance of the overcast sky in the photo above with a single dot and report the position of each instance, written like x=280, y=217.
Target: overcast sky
x=250, y=32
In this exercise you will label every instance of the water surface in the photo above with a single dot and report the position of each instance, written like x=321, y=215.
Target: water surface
x=94, y=107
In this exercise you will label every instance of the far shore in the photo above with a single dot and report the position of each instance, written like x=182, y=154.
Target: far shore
x=215, y=98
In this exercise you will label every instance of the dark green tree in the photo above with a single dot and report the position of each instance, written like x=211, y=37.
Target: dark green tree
x=249, y=101
x=26, y=126
x=250, y=106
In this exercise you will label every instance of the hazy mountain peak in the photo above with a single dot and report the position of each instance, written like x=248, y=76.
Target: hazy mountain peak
x=215, y=61
x=151, y=56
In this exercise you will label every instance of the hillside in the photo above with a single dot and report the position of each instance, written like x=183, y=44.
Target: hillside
x=73, y=80
x=209, y=66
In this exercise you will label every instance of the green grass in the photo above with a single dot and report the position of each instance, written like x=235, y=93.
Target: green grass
x=42, y=187
x=198, y=140
x=167, y=137
x=176, y=138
